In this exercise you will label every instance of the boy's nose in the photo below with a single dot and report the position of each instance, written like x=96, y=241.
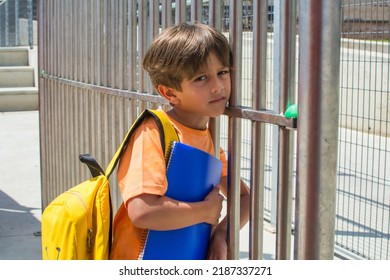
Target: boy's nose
x=216, y=86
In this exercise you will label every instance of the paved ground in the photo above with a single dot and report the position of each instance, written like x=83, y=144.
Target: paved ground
x=20, y=197
x=20, y=191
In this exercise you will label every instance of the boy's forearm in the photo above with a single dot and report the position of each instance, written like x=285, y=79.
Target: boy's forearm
x=244, y=200
x=163, y=213
x=244, y=210
x=244, y=205
x=244, y=215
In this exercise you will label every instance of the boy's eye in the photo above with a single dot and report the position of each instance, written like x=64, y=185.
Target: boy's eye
x=224, y=72
x=204, y=76
x=200, y=78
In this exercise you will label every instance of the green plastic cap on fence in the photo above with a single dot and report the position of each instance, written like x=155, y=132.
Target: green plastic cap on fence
x=291, y=112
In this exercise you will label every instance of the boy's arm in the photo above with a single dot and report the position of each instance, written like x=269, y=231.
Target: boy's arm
x=163, y=213
x=218, y=243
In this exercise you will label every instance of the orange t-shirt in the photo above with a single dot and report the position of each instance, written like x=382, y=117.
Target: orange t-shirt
x=142, y=170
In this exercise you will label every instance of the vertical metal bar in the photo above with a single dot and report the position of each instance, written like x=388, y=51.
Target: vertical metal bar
x=132, y=44
x=93, y=48
x=79, y=41
x=122, y=40
x=142, y=37
x=286, y=93
x=86, y=19
x=77, y=123
x=51, y=107
x=6, y=18
x=77, y=45
x=153, y=30
x=42, y=21
x=84, y=111
x=180, y=11
x=73, y=45
x=342, y=180
x=215, y=123
x=1, y=25
x=110, y=43
x=30, y=24
x=60, y=26
x=55, y=27
x=104, y=99
x=64, y=104
x=234, y=135
x=60, y=39
x=258, y=130
x=93, y=27
x=104, y=67
x=275, y=106
x=215, y=14
x=113, y=46
x=49, y=47
x=196, y=11
x=67, y=43
x=120, y=132
x=166, y=13
x=81, y=121
x=111, y=129
x=98, y=44
x=78, y=92
x=17, y=43
x=318, y=87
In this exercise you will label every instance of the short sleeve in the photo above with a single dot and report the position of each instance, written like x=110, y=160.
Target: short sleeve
x=142, y=166
x=223, y=159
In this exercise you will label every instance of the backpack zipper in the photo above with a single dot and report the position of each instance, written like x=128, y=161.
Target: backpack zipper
x=89, y=231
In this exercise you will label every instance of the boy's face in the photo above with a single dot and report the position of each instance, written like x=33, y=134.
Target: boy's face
x=207, y=93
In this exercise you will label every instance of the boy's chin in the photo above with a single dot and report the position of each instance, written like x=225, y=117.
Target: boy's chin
x=217, y=113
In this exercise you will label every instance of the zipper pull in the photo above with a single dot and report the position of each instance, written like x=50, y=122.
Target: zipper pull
x=89, y=241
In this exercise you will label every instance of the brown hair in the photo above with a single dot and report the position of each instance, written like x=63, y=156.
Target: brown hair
x=180, y=51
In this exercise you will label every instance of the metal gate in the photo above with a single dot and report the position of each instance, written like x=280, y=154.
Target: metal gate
x=92, y=87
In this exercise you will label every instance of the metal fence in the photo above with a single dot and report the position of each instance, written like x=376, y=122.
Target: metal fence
x=92, y=87
x=363, y=194
x=363, y=197
x=17, y=20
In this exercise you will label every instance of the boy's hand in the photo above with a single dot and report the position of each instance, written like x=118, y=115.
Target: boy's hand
x=213, y=202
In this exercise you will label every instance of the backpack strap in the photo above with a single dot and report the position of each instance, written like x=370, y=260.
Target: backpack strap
x=167, y=135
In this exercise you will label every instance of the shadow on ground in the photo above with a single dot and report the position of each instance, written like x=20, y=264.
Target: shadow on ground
x=19, y=231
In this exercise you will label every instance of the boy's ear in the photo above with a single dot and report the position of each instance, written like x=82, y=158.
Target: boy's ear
x=168, y=93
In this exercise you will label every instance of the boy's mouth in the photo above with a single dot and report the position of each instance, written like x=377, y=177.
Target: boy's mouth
x=218, y=99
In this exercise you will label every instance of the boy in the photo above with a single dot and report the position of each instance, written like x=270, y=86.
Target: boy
x=190, y=66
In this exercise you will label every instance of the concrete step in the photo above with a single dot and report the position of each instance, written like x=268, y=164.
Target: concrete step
x=18, y=99
x=17, y=56
x=17, y=76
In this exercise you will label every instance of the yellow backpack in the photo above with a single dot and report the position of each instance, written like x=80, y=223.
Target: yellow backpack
x=77, y=225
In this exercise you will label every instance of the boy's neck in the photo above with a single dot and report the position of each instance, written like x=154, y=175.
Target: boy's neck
x=189, y=120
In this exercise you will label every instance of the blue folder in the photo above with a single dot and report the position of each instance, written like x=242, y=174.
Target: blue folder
x=192, y=174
